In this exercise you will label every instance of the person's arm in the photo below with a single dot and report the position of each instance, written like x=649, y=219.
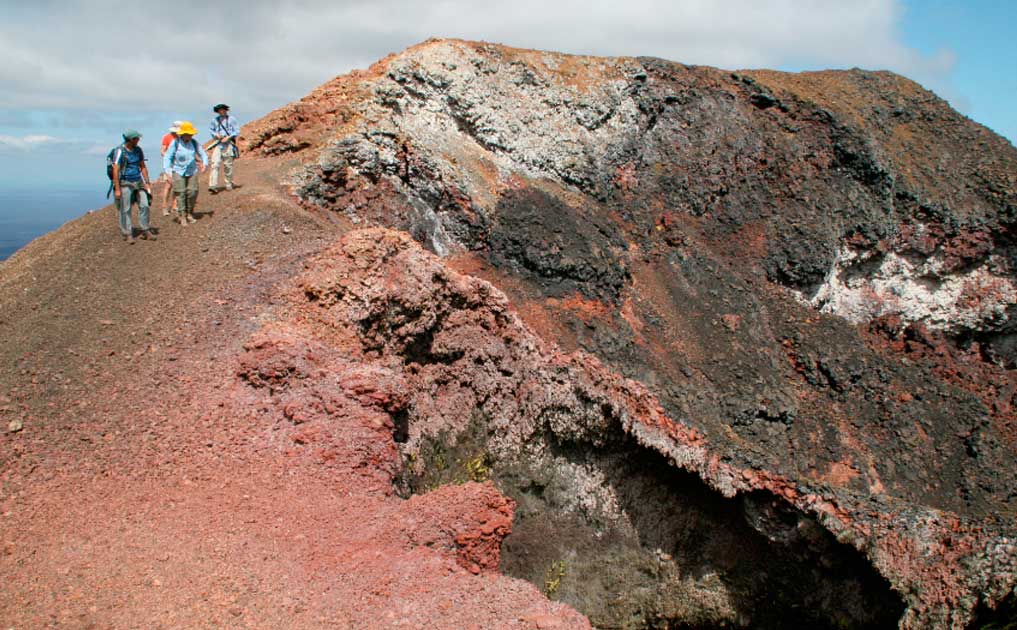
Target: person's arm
x=215, y=130
x=144, y=178
x=116, y=173
x=167, y=164
x=203, y=155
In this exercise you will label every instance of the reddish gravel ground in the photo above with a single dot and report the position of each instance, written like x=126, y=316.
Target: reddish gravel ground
x=150, y=488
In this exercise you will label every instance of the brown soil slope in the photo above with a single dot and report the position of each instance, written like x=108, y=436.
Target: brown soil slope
x=692, y=348
x=151, y=488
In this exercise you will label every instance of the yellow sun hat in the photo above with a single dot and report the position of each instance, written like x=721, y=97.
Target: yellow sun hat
x=187, y=129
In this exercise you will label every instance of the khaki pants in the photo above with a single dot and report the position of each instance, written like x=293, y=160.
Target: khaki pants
x=221, y=155
x=185, y=189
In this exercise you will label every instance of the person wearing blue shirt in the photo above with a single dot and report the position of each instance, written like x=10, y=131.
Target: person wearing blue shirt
x=181, y=162
x=224, y=130
x=130, y=182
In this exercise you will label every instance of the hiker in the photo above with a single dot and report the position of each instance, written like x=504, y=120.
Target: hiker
x=181, y=161
x=167, y=178
x=130, y=182
x=224, y=130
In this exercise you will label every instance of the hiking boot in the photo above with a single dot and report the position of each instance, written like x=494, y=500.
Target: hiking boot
x=182, y=219
x=129, y=239
x=212, y=191
x=149, y=236
x=191, y=219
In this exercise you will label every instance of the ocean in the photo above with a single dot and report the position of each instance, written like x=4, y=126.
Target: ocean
x=28, y=214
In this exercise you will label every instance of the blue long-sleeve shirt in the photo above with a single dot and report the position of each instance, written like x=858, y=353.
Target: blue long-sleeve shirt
x=224, y=126
x=182, y=157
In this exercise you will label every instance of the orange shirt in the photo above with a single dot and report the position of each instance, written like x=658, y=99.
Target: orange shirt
x=166, y=141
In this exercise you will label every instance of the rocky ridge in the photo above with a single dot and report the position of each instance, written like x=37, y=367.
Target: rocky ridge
x=755, y=250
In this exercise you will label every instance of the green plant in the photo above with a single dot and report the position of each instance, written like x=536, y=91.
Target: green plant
x=479, y=467
x=553, y=578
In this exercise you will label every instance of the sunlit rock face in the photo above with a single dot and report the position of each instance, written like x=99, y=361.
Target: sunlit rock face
x=861, y=290
x=781, y=301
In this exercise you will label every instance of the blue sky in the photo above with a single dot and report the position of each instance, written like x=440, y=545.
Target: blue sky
x=77, y=73
x=982, y=36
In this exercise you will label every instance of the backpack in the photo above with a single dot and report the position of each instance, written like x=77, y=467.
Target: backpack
x=116, y=156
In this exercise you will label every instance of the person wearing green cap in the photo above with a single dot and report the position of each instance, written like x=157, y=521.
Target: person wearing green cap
x=130, y=183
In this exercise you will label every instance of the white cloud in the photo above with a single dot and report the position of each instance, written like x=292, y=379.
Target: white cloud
x=38, y=146
x=27, y=143
x=258, y=55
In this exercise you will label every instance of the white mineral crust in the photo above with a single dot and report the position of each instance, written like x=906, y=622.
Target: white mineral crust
x=976, y=299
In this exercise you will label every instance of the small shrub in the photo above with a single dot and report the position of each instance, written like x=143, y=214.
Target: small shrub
x=554, y=577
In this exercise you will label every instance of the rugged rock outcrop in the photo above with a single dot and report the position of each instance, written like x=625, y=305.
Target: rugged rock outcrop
x=744, y=338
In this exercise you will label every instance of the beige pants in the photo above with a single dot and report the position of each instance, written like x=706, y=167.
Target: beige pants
x=224, y=156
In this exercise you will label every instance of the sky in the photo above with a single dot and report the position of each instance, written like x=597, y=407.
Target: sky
x=76, y=74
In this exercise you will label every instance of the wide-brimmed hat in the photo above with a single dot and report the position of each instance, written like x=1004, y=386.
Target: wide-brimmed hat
x=187, y=129
x=131, y=134
x=175, y=128
x=220, y=106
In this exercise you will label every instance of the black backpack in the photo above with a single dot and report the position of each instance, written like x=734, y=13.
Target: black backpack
x=116, y=156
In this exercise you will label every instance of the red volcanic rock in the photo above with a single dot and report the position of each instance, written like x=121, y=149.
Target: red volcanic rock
x=475, y=532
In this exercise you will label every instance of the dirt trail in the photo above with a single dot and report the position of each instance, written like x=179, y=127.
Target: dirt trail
x=149, y=489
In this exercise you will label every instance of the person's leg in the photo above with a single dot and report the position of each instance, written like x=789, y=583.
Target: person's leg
x=192, y=196
x=227, y=168
x=213, y=176
x=143, y=208
x=167, y=194
x=124, y=212
x=180, y=193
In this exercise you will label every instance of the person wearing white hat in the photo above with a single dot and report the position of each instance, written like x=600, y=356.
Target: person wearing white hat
x=167, y=178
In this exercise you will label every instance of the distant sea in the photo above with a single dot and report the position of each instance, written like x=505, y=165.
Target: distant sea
x=28, y=214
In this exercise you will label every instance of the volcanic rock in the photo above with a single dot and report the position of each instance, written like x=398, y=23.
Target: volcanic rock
x=717, y=237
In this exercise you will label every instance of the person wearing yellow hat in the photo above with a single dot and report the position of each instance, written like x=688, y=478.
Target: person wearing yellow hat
x=181, y=161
